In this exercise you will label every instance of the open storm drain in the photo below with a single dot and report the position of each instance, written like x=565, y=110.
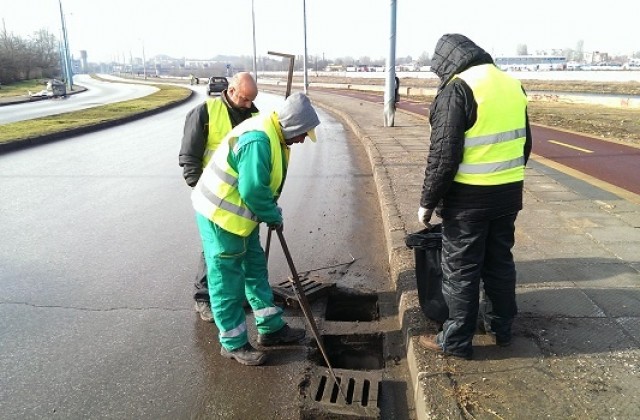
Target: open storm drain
x=353, y=351
x=348, y=306
x=323, y=398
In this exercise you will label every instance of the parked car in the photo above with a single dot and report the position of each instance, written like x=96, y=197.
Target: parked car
x=217, y=85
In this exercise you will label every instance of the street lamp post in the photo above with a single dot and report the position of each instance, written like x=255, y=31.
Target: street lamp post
x=144, y=62
x=389, y=90
x=67, y=60
x=304, y=63
x=253, y=22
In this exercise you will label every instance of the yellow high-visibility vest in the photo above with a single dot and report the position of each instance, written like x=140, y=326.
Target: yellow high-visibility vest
x=494, y=146
x=219, y=126
x=216, y=195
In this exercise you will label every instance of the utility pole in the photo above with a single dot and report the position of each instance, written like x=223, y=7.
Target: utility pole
x=67, y=60
x=389, y=89
x=63, y=60
x=304, y=62
x=255, y=65
x=144, y=63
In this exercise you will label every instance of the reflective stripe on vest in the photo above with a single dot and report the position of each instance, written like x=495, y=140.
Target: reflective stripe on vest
x=216, y=195
x=219, y=126
x=494, y=146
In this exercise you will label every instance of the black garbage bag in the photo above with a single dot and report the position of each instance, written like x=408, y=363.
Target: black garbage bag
x=427, y=251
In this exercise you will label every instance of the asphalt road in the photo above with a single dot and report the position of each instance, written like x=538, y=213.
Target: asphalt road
x=97, y=257
x=98, y=93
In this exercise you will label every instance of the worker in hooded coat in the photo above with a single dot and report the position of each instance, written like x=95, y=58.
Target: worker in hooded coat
x=480, y=144
x=238, y=189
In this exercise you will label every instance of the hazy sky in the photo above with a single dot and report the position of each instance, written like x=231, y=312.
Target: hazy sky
x=335, y=28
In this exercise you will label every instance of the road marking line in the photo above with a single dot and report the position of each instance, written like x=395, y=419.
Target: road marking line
x=570, y=146
x=620, y=192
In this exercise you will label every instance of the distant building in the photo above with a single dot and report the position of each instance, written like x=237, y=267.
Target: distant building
x=531, y=62
x=596, y=57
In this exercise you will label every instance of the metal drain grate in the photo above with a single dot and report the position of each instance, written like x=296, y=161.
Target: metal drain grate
x=312, y=289
x=361, y=389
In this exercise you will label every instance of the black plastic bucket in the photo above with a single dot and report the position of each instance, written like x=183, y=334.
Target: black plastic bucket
x=427, y=251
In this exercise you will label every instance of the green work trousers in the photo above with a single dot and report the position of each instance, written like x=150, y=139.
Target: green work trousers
x=237, y=269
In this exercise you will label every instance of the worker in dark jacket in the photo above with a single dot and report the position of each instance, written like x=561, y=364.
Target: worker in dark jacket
x=480, y=144
x=205, y=127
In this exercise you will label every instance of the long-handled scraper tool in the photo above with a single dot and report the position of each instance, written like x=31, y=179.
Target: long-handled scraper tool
x=306, y=309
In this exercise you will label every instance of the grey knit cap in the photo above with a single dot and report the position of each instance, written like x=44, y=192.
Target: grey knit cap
x=297, y=116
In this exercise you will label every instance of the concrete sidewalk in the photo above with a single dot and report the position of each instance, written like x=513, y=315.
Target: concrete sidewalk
x=575, y=352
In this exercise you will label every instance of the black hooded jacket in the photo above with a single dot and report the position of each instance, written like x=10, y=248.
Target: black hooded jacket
x=453, y=112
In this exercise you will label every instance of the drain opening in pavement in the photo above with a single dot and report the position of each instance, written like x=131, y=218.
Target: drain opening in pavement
x=361, y=399
x=345, y=305
x=356, y=389
x=354, y=351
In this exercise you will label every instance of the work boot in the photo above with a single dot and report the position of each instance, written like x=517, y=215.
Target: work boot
x=245, y=355
x=204, y=309
x=285, y=335
x=428, y=342
x=503, y=341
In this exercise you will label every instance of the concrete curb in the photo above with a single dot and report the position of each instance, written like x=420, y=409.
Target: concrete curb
x=46, y=138
x=25, y=99
x=402, y=274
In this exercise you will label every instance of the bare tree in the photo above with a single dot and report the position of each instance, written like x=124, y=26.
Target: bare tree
x=521, y=49
x=10, y=51
x=21, y=58
x=424, y=59
x=579, y=52
x=366, y=60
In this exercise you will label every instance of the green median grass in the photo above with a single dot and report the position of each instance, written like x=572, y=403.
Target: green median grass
x=22, y=88
x=22, y=130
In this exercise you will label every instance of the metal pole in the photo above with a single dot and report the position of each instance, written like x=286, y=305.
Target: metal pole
x=291, y=58
x=144, y=64
x=255, y=65
x=63, y=61
x=67, y=60
x=306, y=309
x=389, y=89
x=304, y=63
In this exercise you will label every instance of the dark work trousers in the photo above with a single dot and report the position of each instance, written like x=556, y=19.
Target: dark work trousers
x=473, y=252
x=201, y=293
